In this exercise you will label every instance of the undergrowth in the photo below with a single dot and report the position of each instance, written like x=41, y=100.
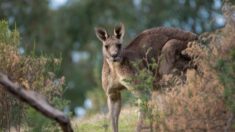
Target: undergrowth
x=205, y=102
x=31, y=72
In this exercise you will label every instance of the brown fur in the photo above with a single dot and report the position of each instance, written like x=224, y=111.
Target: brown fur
x=166, y=43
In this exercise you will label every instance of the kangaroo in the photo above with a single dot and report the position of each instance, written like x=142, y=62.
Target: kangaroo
x=165, y=43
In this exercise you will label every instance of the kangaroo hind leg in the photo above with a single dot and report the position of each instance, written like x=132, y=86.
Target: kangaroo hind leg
x=114, y=105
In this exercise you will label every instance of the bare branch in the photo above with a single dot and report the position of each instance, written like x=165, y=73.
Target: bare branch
x=36, y=101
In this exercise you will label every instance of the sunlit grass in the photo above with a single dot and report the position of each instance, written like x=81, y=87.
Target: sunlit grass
x=100, y=122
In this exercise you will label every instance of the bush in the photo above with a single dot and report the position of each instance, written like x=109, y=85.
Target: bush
x=205, y=102
x=226, y=64
x=34, y=73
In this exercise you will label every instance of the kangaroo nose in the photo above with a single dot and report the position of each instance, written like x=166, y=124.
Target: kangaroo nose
x=114, y=55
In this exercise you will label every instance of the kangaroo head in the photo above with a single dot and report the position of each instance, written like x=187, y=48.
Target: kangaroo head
x=112, y=44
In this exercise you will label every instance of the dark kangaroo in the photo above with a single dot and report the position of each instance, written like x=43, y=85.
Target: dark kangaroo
x=165, y=43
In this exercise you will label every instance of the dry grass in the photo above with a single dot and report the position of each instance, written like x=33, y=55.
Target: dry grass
x=199, y=104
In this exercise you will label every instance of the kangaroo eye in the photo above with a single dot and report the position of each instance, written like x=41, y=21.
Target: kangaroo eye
x=106, y=46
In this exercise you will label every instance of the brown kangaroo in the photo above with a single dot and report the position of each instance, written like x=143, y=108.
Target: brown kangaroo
x=165, y=43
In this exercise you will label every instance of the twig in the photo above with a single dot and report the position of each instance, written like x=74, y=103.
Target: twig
x=36, y=101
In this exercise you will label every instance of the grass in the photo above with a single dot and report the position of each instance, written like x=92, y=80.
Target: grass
x=100, y=122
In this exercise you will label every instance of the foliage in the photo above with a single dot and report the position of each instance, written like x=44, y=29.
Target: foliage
x=225, y=65
x=34, y=73
x=227, y=77
x=143, y=81
x=200, y=103
x=226, y=68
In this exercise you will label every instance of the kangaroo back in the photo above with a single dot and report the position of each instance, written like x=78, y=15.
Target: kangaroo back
x=173, y=33
x=161, y=35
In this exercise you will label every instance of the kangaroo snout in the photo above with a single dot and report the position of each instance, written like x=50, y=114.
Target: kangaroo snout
x=114, y=55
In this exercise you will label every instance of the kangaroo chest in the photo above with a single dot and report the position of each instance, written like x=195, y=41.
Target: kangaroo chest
x=118, y=76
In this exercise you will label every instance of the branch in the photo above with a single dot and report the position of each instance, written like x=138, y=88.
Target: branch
x=36, y=101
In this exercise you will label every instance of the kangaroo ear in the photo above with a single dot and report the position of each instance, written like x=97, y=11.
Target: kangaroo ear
x=101, y=34
x=119, y=31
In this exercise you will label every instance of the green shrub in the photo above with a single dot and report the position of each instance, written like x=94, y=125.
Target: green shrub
x=143, y=81
x=226, y=69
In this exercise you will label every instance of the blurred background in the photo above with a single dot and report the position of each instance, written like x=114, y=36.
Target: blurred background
x=65, y=29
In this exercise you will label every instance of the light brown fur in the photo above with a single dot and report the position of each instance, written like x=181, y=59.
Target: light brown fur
x=166, y=45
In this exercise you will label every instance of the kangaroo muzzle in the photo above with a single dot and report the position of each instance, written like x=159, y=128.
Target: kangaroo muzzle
x=114, y=54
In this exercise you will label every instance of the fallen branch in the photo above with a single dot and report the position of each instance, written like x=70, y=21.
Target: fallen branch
x=36, y=101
